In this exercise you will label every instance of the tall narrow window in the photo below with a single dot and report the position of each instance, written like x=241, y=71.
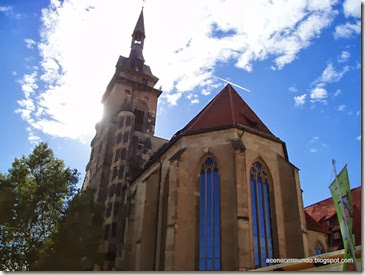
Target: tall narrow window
x=261, y=218
x=209, y=246
x=139, y=120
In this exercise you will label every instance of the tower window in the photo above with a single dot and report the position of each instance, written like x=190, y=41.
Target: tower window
x=139, y=120
x=123, y=154
x=114, y=173
x=121, y=171
x=109, y=210
x=119, y=138
x=209, y=233
x=116, y=208
x=116, y=155
x=114, y=229
x=106, y=231
x=144, y=81
x=125, y=137
x=121, y=122
x=261, y=218
x=128, y=121
x=112, y=190
x=117, y=192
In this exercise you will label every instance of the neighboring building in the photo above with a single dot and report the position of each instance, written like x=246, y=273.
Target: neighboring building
x=324, y=233
x=220, y=195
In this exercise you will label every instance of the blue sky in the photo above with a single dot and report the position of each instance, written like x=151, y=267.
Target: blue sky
x=301, y=60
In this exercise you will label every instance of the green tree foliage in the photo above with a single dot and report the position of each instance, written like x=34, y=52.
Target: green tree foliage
x=75, y=244
x=33, y=198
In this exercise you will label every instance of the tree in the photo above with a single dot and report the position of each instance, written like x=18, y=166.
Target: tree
x=75, y=244
x=37, y=188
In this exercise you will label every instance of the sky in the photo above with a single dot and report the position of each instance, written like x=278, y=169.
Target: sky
x=299, y=63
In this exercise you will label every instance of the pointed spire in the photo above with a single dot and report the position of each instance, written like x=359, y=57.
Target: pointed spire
x=138, y=36
x=140, y=25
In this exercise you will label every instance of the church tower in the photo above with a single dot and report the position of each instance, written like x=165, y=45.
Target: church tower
x=124, y=139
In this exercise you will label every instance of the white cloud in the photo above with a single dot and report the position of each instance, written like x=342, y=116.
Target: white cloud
x=206, y=92
x=318, y=94
x=78, y=55
x=29, y=84
x=338, y=92
x=14, y=73
x=300, y=100
x=195, y=101
x=32, y=137
x=347, y=30
x=359, y=138
x=358, y=113
x=9, y=11
x=341, y=107
x=314, y=139
x=29, y=43
x=331, y=75
x=352, y=8
x=345, y=55
x=173, y=98
x=313, y=150
x=293, y=89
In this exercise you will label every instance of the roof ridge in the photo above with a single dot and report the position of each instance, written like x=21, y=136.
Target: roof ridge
x=231, y=103
x=331, y=197
x=195, y=119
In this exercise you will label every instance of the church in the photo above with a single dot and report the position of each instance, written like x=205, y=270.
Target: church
x=221, y=194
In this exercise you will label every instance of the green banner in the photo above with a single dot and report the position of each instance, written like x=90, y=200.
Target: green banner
x=342, y=199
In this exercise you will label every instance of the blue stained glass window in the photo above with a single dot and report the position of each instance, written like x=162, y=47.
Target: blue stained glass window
x=261, y=217
x=209, y=232
x=254, y=222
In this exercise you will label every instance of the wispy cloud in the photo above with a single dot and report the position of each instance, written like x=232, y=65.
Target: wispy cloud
x=331, y=75
x=193, y=98
x=347, y=30
x=341, y=107
x=29, y=43
x=314, y=139
x=319, y=94
x=359, y=138
x=293, y=89
x=78, y=55
x=9, y=11
x=338, y=92
x=300, y=100
x=345, y=55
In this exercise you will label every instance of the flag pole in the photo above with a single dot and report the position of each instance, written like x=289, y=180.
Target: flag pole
x=345, y=223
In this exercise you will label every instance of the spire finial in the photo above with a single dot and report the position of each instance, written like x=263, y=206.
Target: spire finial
x=143, y=2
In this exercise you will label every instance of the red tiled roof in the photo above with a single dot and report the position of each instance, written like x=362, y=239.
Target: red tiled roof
x=227, y=108
x=325, y=210
x=313, y=225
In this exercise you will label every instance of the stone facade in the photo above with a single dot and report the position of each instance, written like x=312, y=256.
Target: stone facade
x=165, y=221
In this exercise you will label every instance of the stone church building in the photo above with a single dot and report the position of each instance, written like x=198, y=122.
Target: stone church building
x=221, y=194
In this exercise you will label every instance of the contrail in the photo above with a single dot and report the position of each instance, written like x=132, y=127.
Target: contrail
x=229, y=82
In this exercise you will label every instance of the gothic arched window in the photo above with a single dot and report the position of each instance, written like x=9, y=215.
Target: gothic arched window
x=261, y=218
x=318, y=248
x=209, y=246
